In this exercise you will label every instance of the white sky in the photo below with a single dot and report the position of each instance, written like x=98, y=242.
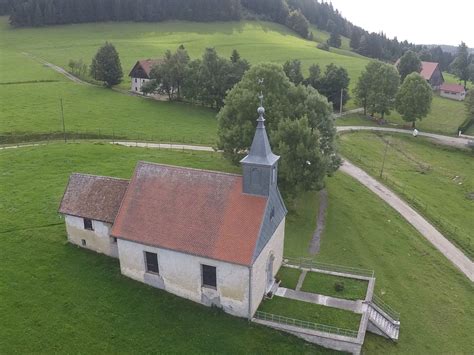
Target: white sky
x=418, y=21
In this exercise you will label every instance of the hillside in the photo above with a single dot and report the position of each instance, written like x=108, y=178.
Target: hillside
x=255, y=41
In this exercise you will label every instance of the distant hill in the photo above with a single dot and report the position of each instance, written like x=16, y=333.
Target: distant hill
x=447, y=48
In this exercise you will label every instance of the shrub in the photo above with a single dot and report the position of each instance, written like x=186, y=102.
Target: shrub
x=323, y=46
x=339, y=286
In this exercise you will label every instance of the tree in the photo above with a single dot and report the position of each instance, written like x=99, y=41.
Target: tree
x=314, y=76
x=292, y=69
x=332, y=82
x=414, y=98
x=106, y=65
x=298, y=23
x=409, y=63
x=366, y=84
x=461, y=63
x=355, y=39
x=302, y=158
x=469, y=104
x=334, y=39
x=385, y=81
x=235, y=56
x=286, y=105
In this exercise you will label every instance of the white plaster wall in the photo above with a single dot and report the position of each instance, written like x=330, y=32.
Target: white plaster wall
x=180, y=274
x=98, y=240
x=259, y=269
x=137, y=86
x=458, y=97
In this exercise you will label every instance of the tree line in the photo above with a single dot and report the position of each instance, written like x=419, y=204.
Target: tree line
x=295, y=14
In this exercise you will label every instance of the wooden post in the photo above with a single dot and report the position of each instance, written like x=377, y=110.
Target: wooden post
x=62, y=116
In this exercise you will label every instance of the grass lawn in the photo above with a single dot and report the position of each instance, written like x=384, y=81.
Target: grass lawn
x=324, y=284
x=60, y=298
x=470, y=131
x=311, y=312
x=355, y=119
x=445, y=117
x=289, y=277
x=83, y=304
x=436, y=180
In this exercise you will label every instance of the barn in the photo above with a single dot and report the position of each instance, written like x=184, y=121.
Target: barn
x=211, y=237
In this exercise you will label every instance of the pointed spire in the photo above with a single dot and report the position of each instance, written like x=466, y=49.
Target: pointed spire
x=260, y=152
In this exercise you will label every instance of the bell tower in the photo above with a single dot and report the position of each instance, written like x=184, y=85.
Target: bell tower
x=260, y=166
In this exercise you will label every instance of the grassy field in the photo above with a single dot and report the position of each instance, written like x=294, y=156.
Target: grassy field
x=289, y=277
x=436, y=180
x=445, y=117
x=83, y=304
x=325, y=284
x=309, y=312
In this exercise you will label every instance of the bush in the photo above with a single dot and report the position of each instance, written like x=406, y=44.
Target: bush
x=339, y=286
x=323, y=46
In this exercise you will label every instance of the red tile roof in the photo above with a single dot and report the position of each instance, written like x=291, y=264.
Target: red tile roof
x=192, y=211
x=427, y=69
x=93, y=197
x=457, y=88
x=146, y=65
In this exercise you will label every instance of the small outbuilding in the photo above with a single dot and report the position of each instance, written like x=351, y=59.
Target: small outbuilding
x=140, y=73
x=211, y=237
x=453, y=91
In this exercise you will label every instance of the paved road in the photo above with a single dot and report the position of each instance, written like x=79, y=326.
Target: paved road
x=457, y=257
x=445, y=140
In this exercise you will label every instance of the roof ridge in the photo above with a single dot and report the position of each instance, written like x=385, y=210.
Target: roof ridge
x=189, y=168
x=101, y=176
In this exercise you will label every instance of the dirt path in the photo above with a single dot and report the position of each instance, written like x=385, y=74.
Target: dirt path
x=457, y=257
x=315, y=244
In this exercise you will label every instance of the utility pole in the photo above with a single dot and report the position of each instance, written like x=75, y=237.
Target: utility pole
x=340, y=106
x=62, y=116
x=383, y=161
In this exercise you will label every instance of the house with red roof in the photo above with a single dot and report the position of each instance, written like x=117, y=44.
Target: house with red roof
x=140, y=73
x=453, y=91
x=211, y=237
x=432, y=73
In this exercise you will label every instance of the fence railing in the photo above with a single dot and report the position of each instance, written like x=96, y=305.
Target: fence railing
x=311, y=264
x=111, y=135
x=304, y=324
x=386, y=308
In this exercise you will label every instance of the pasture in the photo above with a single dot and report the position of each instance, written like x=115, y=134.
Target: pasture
x=437, y=180
x=81, y=302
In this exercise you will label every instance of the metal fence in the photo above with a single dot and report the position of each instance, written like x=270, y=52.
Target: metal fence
x=310, y=264
x=304, y=324
x=386, y=308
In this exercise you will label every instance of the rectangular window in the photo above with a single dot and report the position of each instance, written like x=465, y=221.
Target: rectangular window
x=83, y=242
x=209, y=276
x=135, y=79
x=151, y=260
x=88, y=224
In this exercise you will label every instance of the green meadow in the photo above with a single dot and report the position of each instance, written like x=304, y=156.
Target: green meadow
x=437, y=180
x=60, y=298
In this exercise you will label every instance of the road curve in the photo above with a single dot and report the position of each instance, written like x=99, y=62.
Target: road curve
x=461, y=261
x=456, y=142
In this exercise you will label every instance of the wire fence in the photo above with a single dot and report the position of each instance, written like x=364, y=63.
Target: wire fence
x=457, y=235
x=13, y=138
x=311, y=264
x=305, y=324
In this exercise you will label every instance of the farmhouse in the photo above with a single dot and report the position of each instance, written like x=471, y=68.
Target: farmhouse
x=210, y=237
x=453, y=91
x=432, y=73
x=140, y=73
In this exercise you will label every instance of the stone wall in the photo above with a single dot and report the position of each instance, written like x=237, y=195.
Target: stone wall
x=98, y=239
x=180, y=274
x=259, y=269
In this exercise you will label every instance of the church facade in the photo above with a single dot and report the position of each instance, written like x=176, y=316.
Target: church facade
x=211, y=237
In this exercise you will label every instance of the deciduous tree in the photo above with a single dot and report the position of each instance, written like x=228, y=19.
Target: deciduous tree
x=335, y=79
x=292, y=69
x=409, y=63
x=414, y=98
x=381, y=98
